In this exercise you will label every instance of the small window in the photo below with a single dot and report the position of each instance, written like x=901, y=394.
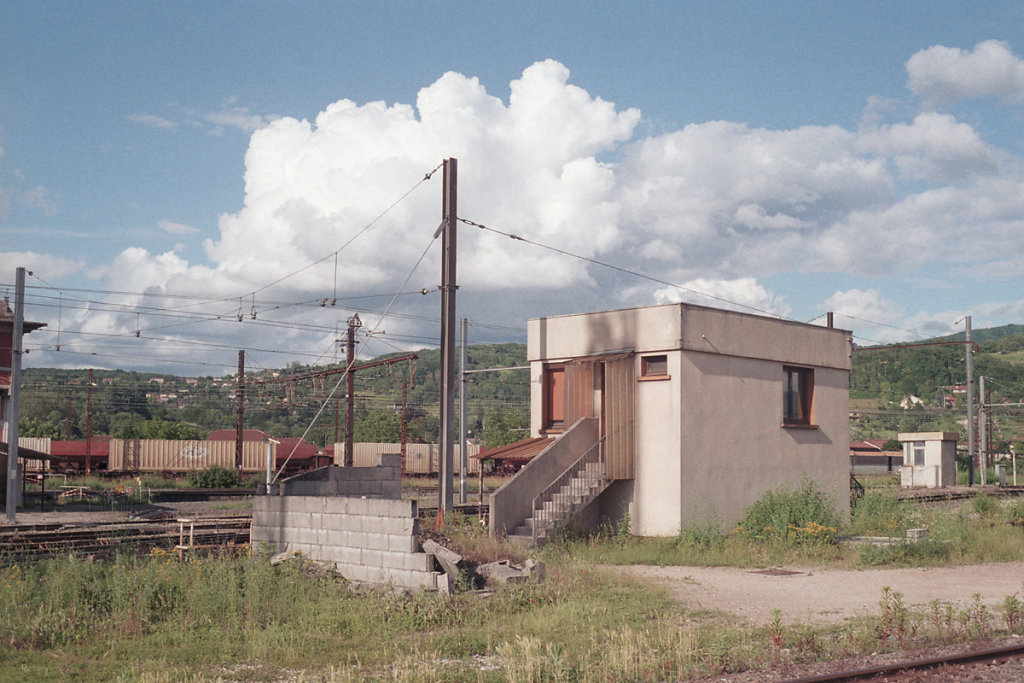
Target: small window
x=919, y=453
x=797, y=396
x=655, y=367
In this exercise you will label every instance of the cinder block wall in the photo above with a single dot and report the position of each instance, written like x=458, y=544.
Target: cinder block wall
x=353, y=518
x=367, y=540
x=382, y=481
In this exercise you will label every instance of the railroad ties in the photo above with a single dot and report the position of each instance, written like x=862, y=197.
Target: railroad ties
x=32, y=542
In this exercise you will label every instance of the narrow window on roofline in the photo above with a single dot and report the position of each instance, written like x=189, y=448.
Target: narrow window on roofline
x=797, y=395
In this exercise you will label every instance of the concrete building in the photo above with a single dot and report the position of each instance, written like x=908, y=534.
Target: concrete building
x=929, y=459
x=676, y=414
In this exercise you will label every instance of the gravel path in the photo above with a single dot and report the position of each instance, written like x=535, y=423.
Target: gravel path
x=822, y=595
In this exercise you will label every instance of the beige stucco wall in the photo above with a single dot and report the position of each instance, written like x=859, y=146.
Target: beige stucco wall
x=710, y=441
x=658, y=462
x=734, y=447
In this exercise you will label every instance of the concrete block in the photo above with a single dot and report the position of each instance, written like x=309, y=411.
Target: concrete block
x=372, y=558
x=260, y=517
x=402, y=543
x=356, y=539
x=329, y=520
x=376, y=541
x=298, y=520
x=334, y=506
x=418, y=562
x=266, y=534
x=341, y=554
x=305, y=535
x=316, y=520
x=351, y=522
x=338, y=538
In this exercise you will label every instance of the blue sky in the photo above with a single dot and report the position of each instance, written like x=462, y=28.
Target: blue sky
x=786, y=158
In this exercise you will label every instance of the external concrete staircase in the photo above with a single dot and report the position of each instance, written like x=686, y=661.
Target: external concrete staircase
x=553, y=487
x=561, y=500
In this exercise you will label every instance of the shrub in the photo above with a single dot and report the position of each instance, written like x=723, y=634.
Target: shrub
x=702, y=535
x=215, y=477
x=985, y=505
x=800, y=515
x=880, y=513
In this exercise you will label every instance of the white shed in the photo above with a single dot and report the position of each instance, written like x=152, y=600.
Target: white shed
x=929, y=459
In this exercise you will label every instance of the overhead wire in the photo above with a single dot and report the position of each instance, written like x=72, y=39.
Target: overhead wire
x=348, y=367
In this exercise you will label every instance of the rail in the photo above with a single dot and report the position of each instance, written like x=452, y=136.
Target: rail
x=569, y=488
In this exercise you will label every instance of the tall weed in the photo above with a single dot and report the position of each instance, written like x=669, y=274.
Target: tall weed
x=804, y=515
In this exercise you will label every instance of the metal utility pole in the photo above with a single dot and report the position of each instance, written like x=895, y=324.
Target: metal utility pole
x=88, y=424
x=354, y=323
x=405, y=423
x=449, y=216
x=970, y=403
x=337, y=399
x=463, y=460
x=239, y=410
x=982, y=436
x=67, y=422
x=13, y=411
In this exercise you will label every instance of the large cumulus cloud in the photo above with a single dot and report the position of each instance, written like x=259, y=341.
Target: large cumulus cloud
x=716, y=207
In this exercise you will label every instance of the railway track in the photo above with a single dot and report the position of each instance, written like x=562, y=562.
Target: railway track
x=34, y=542
x=998, y=492
x=997, y=659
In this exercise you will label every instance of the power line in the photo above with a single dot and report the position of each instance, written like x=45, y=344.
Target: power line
x=621, y=269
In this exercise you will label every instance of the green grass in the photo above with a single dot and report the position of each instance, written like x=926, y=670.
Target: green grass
x=238, y=618
x=231, y=618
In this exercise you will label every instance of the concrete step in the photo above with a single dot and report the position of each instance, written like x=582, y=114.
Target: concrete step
x=526, y=540
x=524, y=529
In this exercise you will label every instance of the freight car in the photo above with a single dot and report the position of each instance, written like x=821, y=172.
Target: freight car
x=420, y=458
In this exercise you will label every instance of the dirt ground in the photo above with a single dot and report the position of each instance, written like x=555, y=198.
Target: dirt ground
x=827, y=595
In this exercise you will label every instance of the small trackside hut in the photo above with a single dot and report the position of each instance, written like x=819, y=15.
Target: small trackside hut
x=670, y=415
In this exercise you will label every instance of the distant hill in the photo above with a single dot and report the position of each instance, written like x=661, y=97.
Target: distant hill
x=125, y=400
x=882, y=379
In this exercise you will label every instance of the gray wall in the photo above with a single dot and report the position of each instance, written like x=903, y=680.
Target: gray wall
x=367, y=540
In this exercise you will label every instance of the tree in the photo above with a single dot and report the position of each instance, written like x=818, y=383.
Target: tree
x=501, y=428
x=32, y=428
x=379, y=427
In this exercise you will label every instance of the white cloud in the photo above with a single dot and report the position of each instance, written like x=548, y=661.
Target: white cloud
x=240, y=118
x=744, y=294
x=154, y=121
x=864, y=304
x=933, y=147
x=945, y=75
x=177, y=228
x=53, y=266
x=717, y=206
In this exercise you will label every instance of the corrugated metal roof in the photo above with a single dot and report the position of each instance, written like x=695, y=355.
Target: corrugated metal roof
x=526, y=449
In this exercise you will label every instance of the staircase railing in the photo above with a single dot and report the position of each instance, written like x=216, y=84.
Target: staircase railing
x=570, y=490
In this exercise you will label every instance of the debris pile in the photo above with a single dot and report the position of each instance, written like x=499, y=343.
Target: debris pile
x=462, y=575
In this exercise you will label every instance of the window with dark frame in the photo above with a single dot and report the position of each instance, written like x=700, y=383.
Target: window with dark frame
x=797, y=395
x=654, y=366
